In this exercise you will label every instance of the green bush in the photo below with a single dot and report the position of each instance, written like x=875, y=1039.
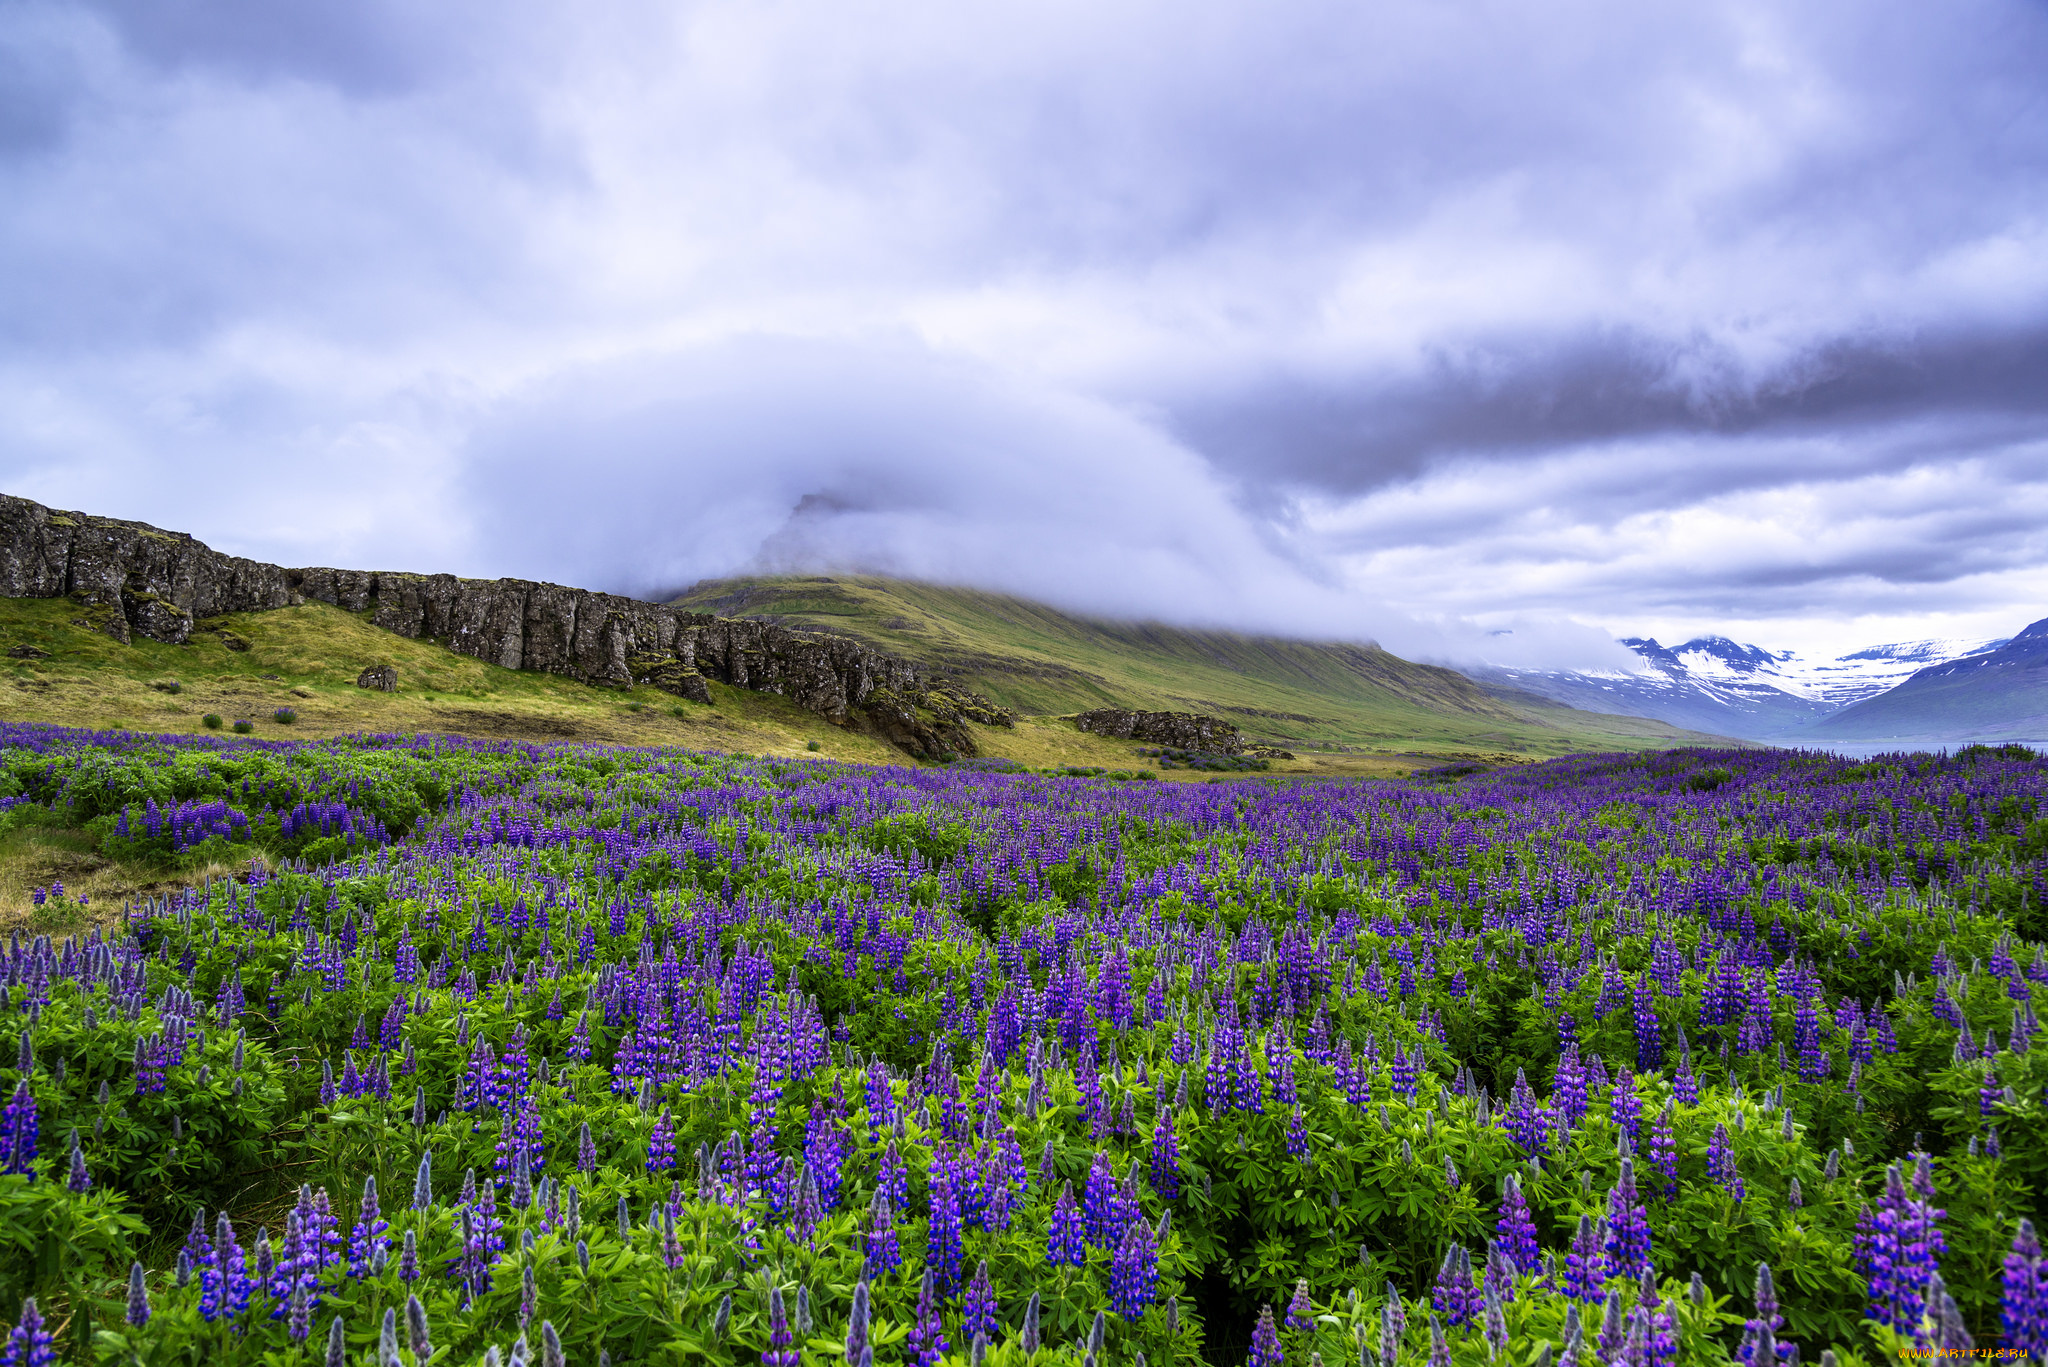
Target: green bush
x=211, y=721
x=243, y=728
x=285, y=716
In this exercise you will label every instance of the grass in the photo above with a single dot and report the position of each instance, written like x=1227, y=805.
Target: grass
x=306, y=659
x=1356, y=706
x=37, y=850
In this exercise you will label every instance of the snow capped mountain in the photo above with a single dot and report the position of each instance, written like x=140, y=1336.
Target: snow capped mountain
x=1861, y=674
x=1728, y=688
x=1990, y=695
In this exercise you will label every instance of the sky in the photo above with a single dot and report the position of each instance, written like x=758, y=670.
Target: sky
x=1485, y=330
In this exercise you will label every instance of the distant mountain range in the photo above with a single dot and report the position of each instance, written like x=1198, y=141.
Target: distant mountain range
x=1944, y=691
x=1995, y=694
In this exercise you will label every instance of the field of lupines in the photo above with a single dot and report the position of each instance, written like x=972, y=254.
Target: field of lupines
x=556, y=1054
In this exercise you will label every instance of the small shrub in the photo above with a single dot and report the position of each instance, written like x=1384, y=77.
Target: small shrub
x=211, y=721
x=243, y=728
x=284, y=716
x=810, y=745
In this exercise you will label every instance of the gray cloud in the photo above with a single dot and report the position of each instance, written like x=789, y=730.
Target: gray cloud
x=1413, y=320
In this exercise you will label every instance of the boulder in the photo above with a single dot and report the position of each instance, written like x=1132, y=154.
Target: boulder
x=382, y=678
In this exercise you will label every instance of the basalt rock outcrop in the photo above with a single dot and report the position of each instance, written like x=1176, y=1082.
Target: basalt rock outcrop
x=1181, y=730
x=133, y=580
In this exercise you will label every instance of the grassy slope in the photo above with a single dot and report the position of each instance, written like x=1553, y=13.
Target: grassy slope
x=1299, y=694
x=307, y=658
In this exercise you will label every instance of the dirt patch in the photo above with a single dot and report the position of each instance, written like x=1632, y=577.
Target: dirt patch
x=472, y=721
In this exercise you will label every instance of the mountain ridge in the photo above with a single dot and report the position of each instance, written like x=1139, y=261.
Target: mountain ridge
x=1040, y=660
x=1716, y=683
x=2000, y=694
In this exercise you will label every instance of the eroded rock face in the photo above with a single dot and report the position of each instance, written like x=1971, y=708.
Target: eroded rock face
x=144, y=581
x=1181, y=730
x=139, y=581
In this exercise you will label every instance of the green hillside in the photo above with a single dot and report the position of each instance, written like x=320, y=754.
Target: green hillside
x=1299, y=694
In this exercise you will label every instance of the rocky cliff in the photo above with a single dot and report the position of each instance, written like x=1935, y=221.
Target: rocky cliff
x=131, y=579
x=1181, y=730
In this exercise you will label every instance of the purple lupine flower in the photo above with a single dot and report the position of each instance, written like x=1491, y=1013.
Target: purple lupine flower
x=224, y=1281
x=1585, y=1266
x=1721, y=1164
x=482, y=1237
x=2024, y=1310
x=81, y=1179
x=857, y=1325
x=1613, y=1330
x=1165, y=1157
x=138, y=1297
x=1266, y=1350
x=1664, y=1153
x=893, y=1178
x=1898, y=1248
x=942, y=1230
x=1684, y=1084
x=1649, y=1030
x=1497, y=1279
x=1761, y=1345
x=1525, y=1119
x=18, y=1130
x=1454, y=1295
x=884, y=1253
x=29, y=1345
x=661, y=1145
x=1134, y=1276
x=1626, y=1107
x=780, y=1352
x=1297, y=1137
x=1516, y=1229
x=978, y=1314
x=822, y=1156
x=520, y=1139
x=1568, y=1089
x=371, y=1233
x=1067, y=1241
x=416, y=1329
x=927, y=1341
x=1405, y=1072
x=1393, y=1324
x=1661, y=1343
x=1300, y=1310
x=1495, y=1330
x=1628, y=1226
x=1099, y=1204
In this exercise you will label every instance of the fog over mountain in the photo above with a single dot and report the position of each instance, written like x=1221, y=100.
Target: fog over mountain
x=1415, y=321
